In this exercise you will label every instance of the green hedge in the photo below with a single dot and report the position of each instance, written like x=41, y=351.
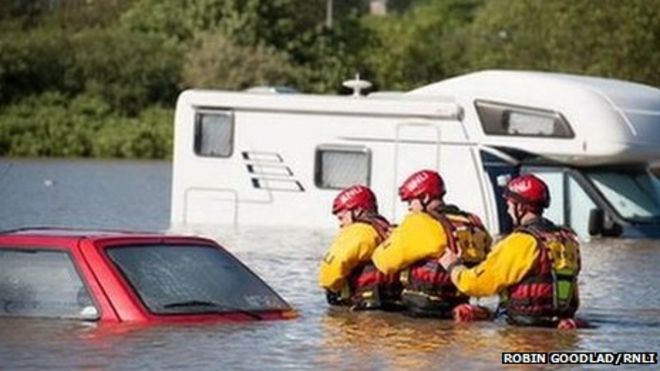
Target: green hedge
x=80, y=78
x=52, y=124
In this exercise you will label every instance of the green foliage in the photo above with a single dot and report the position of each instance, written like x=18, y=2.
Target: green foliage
x=216, y=62
x=419, y=46
x=53, y=125
x=608, y=38
x=31, y=62
x=81, y=14
x=100, y=78
x=44, y=126
x=175, y=20
x=25, y=13
x=146, y=136
x=247, y=22
x=293, y=27
x=129, y=70
x=329, y=56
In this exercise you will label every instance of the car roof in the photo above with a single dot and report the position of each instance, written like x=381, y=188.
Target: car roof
x=69, y=235
x=76, y=232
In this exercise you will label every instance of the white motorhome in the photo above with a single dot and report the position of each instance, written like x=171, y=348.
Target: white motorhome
x=279, y=159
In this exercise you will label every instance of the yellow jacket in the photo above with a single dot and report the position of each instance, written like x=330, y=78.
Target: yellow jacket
x=353, y=245
x=507, y=263
x=419, y=236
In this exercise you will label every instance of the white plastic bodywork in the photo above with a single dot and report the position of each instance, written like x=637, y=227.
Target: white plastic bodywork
x=614, y=121
x=436, y=127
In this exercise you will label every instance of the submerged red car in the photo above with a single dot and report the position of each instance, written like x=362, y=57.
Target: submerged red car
x=110, y=276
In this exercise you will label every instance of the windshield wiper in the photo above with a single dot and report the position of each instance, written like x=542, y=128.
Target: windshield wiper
x=217, y=307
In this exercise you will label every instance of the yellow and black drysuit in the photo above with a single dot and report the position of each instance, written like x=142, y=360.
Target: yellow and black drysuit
x=349, y=276
x=534, y=269
x=413, y=248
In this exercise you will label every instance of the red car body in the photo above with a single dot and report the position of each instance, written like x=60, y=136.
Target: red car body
x=115, y=299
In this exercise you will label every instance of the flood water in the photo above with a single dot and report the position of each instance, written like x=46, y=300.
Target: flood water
x=619, y=289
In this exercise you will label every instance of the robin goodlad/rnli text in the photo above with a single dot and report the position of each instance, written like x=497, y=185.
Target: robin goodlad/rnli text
x=581, y=358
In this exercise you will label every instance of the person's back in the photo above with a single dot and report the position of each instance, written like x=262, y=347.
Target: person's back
x=534, y=269
x=548, y=292
x=414, y=246
x=346, y=271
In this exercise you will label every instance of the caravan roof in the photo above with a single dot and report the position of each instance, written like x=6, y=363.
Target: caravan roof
x=610, y=120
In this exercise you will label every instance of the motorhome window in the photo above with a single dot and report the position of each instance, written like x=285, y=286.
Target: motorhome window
x=501, y=119
x=633, y=193
x=580, y=206
x=214, y=131
x=339, y=167
x=570, y=203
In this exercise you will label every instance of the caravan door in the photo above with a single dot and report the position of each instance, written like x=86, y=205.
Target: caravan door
x=570, y=203
x=416, y=147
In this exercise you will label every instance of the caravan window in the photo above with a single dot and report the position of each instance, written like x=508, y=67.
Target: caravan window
x=214, y=132
x=337, y=167
x=501, y=119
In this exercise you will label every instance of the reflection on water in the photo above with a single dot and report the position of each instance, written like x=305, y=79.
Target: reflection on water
x=422, y=343
x=618, y=285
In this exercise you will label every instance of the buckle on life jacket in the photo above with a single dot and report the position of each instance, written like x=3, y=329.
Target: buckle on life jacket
x=404, y=276
x=366, y=300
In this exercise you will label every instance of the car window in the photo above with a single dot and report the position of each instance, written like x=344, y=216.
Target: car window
x=172, y=279
x=42, y=283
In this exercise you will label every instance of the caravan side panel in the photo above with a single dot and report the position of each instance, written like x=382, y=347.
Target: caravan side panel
x=286, y=167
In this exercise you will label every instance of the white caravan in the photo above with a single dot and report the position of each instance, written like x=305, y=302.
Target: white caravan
x=250, y=158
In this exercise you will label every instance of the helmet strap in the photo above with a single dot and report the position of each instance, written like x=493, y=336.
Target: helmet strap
x=356, y=214
x=425, y=202
x=518, y=213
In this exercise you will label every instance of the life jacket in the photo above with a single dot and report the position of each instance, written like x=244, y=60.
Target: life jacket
x=428, y=289
x=366, y=286
x=548, y=292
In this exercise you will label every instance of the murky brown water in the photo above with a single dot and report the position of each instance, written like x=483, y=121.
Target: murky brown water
x=619, y=287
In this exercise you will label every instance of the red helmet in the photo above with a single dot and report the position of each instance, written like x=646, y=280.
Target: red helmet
x=354, y=197
x=528, y=190
x=422, y=183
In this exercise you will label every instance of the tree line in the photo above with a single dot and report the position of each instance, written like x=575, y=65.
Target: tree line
x=100, y=78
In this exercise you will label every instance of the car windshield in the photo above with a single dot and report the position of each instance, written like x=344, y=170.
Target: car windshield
x=177, y=279
x=42, y=283
x=634, y=193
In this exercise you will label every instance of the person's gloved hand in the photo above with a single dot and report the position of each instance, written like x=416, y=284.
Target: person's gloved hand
x=571, y=324
x=467, y=313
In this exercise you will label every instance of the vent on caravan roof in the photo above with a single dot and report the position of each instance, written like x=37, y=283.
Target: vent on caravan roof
x=357, y=85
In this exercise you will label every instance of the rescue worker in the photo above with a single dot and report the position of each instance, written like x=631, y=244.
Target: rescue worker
x=413, y=249
x=534, y=269
x=346, y=271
